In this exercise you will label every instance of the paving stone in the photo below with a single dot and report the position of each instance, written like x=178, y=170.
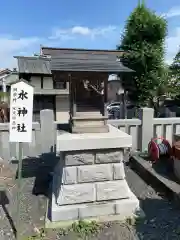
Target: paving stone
x=100, y=172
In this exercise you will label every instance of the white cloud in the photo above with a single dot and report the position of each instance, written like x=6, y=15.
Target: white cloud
x=173, y=40
x=71, y=33
x=173, y=12
x=81, y=30
x=11, y=46
x=172, y=45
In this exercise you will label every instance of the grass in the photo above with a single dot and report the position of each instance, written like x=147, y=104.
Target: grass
x=82, y=229
x=39, y=236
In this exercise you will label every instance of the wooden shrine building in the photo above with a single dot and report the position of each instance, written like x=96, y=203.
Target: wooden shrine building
x=87, y=74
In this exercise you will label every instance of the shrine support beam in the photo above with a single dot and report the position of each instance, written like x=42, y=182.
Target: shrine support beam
x=72, y=96
x=105, y=95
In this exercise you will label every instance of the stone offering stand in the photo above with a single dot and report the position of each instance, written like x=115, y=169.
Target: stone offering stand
x=176, y=158
x=89, y=181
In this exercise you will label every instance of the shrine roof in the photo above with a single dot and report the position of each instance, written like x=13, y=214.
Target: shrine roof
x=70, y=60
x=33, y=65
x=52, y=51
x=87, y=62
x=91, y=60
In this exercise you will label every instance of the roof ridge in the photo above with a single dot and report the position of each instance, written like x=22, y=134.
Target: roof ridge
x=82, y=49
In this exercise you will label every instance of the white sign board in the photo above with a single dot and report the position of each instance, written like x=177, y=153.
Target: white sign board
x=21, y=110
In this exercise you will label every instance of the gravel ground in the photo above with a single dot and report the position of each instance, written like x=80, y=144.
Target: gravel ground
x=162, y=218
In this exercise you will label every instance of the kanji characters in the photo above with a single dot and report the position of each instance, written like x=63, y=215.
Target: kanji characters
x=14, y=94
x=22, y=95
x=21, y=127
x=22, y=111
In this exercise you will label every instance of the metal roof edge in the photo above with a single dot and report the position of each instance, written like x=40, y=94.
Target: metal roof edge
x=42, y=57
x=12, y=73
x=22, y=80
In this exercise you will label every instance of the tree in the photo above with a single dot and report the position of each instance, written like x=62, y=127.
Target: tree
x=175, y=66
x=162, y=90
x=174, y=82
x=143, y=44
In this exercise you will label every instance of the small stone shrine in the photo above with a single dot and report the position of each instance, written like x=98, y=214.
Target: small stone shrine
x=87, y=74
x=89, y=181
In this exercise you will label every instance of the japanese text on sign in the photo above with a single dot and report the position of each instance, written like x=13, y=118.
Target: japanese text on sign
x=21, y=107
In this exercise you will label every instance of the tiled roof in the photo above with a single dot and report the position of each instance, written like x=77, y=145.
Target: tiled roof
x=34, y=65
x=58, y=51
x=87, y=62
x=73, y=61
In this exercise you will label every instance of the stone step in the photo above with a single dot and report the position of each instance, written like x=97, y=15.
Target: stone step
x=95, y=113
x=85, y=109
x=89, y=123
x=90, y=129
x=89, y=120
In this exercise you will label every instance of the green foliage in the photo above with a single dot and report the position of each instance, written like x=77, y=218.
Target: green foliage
x=143, y=42
x=174, y=83
x=175, y=66
x=4, y=96
x=39, y=236
x=84, y=229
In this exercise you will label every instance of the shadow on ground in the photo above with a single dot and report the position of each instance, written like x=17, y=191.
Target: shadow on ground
x=36, y=182
x=4, y=201
x=164, y=167
x=161, y=222
x=162, y=215
x=39, y=168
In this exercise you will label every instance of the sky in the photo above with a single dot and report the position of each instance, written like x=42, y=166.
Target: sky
x=25, y=25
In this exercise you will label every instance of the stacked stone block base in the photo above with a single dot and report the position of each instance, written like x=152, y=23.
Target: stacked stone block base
x=91, y=184
x=176, y=166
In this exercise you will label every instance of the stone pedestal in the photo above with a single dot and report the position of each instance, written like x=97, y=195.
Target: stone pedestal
x=176, y=155
x=89, y=180
x=176, y=166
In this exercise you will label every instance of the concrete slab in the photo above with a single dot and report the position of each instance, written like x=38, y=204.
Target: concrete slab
x=126, y=208
x=113, y=139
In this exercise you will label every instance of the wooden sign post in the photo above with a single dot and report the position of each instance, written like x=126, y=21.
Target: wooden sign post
x=21, y=112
